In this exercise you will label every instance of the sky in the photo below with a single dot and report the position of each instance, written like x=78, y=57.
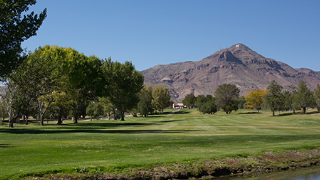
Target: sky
x=153, y=32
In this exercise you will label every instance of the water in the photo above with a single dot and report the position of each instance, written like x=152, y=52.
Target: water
x=311, y=173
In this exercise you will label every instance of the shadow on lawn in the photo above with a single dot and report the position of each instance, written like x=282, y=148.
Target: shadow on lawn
x=250, y=113
x=46, y=131
x=5, y=146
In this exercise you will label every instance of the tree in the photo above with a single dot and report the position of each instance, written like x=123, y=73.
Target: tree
x=51, y=73
x=90, y=110
x=161, y=97
x=189, y=100
x=12, y=102
x=124, y=84
x=304, y=97
x=145, y=101
x=274, y=98
x=287, y=100
x=14, y=30
x=255, y=99
x=317, y=96
x=226, y=97
x=207, y=105
x=3, y=111
x=108, y=107
x=242, y=102
x=200, y=99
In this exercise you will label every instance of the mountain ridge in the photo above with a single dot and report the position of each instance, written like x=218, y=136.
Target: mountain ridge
x=237, y=65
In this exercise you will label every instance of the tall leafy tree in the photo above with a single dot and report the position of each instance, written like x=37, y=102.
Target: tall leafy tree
x=14, y=30
x=274, y=98
x=207, y=105
x=12, y=102
x=53, y=72
x=124, y=84
x=161, y=97
x=304, y=97
x=242, y=102
x=226, y=97
x=189, y=100
x=145, y=101
x=317, y=96
x=200, y=99
x=255, y=99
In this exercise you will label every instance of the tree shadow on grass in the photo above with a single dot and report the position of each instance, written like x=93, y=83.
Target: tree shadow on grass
x=182, y=112
x=250, y=113
x=5, y=146
x=105, y=131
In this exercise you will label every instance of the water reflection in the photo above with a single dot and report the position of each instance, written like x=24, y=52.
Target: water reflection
x=311, y=173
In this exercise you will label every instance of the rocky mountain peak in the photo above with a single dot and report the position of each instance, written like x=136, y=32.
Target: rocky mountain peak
x=237, y=65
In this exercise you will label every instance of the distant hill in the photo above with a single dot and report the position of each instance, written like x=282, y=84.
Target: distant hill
x=237, y=65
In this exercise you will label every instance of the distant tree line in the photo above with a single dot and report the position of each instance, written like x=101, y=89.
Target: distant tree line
x=226, y=97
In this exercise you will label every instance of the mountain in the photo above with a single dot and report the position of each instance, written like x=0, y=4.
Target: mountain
x=237, y=65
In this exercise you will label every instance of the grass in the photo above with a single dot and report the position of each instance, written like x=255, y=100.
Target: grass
x=159, y=139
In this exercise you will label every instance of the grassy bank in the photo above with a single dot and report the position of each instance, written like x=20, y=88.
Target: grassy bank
x=187, y=135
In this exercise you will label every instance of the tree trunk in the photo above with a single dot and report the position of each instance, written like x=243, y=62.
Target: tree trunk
x=41, y=119
x=273, y=113
x=60, y=117
x=11, y=124
x=122, y=115
x=109, y=116
x=75, y=117
x=294, y=111
x=26, y=120
x=304, y=110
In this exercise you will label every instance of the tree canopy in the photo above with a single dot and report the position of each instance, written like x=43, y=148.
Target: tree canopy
x=189, y=100
x=124, y=83
x=226, y=97
x=274, y=98
x=145, y=101
x=161, y=97
x=317, y=96
x=14, y=30
x=255, y=99
x=304, y=98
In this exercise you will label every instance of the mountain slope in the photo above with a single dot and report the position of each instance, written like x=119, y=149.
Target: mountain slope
x=237, y=65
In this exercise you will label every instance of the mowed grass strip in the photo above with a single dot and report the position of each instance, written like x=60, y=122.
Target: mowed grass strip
x=167, y=138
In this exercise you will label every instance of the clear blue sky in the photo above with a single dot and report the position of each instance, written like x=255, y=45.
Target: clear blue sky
x=153, y=32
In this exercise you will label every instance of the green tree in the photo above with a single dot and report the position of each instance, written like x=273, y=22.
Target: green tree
x=124, y=84
x=63, y=71
x=98, y=110
x=207, y=105
x=12, y=102
x=189, y=100
x=317, y=96
x=145, y=101
x=108, y=107
x=3, y=111
x=226, y=97
x=14, y=30
x=274, y=98
x=200, y=99
x=287, y=100
x=160, y=97
x=242, y=102
x=304, y=97
x=90, y=110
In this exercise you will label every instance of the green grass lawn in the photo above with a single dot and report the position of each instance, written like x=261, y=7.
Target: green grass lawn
x=167, y=138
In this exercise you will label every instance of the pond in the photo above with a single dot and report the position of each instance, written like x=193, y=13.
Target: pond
x=310, y=173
